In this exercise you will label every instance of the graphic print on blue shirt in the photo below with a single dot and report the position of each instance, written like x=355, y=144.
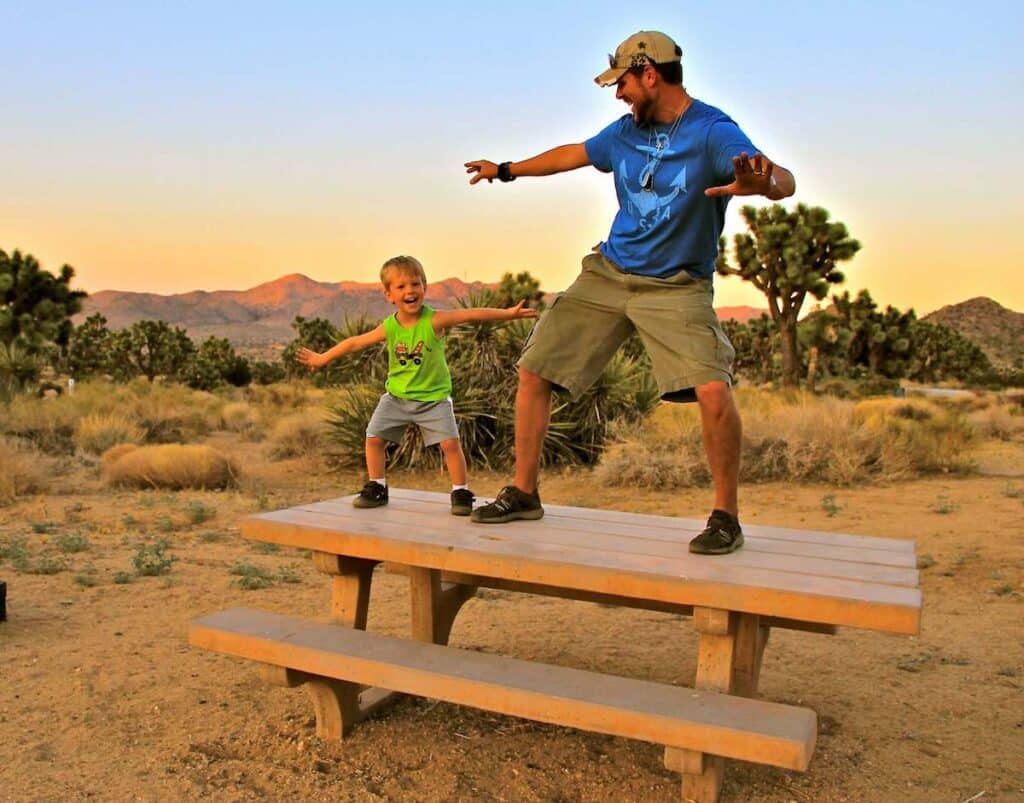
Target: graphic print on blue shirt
x=665, y=223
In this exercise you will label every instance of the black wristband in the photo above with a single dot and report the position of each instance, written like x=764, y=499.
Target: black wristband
x=505, y=172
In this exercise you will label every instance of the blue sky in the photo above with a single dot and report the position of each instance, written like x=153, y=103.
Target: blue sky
x=221, y=145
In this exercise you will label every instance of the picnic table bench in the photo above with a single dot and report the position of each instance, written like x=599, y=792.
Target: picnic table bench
x=780, y=578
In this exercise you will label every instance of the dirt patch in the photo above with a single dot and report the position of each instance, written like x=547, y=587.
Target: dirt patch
x=102, y=698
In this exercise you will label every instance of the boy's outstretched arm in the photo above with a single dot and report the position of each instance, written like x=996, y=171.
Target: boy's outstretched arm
x=315, y=359
x=446, y=318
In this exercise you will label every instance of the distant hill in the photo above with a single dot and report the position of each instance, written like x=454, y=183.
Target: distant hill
x=261, y=317
x=998, y=331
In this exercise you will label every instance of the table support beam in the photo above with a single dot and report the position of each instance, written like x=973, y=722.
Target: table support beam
x=434, y=605
x=716, y=655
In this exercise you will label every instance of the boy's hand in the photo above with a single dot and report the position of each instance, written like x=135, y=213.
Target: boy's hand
x=311, y=358
x=519, y=311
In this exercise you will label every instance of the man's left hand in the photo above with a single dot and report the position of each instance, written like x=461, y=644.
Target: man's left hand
x=753, y=177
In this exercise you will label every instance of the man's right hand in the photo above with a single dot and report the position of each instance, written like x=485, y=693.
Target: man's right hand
x=483, y=169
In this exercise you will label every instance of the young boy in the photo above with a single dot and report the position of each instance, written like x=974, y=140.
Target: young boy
x=419, y=385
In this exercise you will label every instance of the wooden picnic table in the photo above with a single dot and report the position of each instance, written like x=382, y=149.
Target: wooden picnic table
x=781, y=578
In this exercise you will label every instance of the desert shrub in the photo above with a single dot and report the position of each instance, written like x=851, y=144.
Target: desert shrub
x=796, y=437
x=998, y=421
x=97, y=432
x=151, y=560
x=242, y=418
x=48, y=424
x=484, y=399
x=115, y=453
x=24, y=471
x=173, y=466
x=298, y=434
x=172, y=413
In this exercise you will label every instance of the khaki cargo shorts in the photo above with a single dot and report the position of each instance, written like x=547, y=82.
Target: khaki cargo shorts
x=577, y=336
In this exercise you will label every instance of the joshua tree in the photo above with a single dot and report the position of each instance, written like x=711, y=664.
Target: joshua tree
x=788, y=255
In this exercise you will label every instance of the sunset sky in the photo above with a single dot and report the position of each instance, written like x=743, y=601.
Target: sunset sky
x=171, y=147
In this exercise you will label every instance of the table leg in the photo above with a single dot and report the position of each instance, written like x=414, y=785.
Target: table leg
x=434, y=605
x=751, y=638
x=702, y=772
x=336, y=703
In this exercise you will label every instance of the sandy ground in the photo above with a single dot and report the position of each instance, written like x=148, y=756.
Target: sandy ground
x=101, y=698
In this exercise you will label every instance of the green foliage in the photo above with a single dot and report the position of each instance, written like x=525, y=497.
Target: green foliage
x=72, y=542
x=151, y=349
x=853, y=338
x=35, y=305
x=482, y=361
x=215, y=364
x=788, y=256
x=757, y=347
x=151, y=560
x=89, y=348
x=199, y=512
x=940, y=353
x=19, y=368
x=267, y=373
x=368, y=365
x=514, y=288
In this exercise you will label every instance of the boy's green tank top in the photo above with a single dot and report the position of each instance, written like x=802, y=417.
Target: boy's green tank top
x=417, y=369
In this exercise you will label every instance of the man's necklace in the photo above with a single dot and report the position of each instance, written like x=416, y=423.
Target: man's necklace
x=657, y=144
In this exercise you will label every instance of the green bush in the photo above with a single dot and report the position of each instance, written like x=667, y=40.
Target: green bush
x=484, y=378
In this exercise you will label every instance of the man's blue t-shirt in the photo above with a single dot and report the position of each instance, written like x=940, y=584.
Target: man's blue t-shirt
x=671, y=226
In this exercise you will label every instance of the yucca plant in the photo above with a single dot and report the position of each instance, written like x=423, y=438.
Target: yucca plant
x=482, y=361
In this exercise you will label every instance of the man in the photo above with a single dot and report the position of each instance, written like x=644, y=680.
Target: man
x=676, y=162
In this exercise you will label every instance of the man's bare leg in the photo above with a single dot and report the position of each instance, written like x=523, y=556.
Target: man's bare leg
x=533, y=411
x=722, y=431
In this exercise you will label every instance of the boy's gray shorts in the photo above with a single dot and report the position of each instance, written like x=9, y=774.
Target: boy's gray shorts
x=436, y=419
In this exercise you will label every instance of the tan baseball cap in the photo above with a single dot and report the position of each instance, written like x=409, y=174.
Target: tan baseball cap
x=643, y=47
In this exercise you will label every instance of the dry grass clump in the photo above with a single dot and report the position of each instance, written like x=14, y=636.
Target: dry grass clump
x=172, y=413
x=796, y=437
x=1002, y=422
x=241, y=418
x=25, y=470
x=97, y=432
x=298, y=434
x=174, y=466
x=48, y=424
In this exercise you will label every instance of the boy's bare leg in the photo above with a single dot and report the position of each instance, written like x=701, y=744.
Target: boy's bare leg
x=455, y=459
x=722, y=431
x=533, y=411
x=375, y=457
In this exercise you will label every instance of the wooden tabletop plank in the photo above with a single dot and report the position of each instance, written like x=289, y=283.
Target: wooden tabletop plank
x=695, y=525
x=690, y=579
x=564, y=531
x=734, y=727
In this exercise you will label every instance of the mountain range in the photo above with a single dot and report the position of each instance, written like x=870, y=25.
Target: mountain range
x=261, y=317
x=998, y=331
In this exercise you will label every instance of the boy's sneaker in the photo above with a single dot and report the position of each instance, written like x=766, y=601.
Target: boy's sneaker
x=722, y=535
x=373, y=495
x=462, y=502
x=510, y=504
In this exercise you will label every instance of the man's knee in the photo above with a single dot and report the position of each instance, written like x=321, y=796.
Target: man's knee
x=533, y=383
x=451, y=446
x=715, y=398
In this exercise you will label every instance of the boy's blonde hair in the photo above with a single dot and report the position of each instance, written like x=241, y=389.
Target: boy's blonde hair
x=401, y=264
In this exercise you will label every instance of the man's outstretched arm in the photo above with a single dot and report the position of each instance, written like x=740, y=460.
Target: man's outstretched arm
x=556, y=160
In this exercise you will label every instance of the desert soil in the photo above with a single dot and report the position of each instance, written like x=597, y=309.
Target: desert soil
x=101, y=697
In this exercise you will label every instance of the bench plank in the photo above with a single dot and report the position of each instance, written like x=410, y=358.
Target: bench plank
x=688, y=579
x=709, y=722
